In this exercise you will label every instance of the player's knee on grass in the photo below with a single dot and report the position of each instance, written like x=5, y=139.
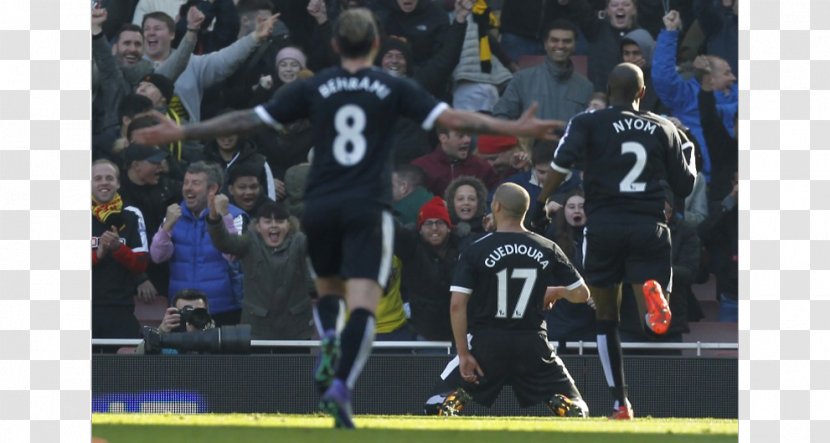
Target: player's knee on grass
x=449, y=403
x=563, y=406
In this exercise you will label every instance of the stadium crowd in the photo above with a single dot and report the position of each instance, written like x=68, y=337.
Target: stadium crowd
x=154, y=233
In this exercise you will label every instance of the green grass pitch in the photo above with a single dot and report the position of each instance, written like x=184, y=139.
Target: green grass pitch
x=255, y=428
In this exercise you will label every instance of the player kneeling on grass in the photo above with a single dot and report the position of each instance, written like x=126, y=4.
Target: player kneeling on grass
x=508, y=278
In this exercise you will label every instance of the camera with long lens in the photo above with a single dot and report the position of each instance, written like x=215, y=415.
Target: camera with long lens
x=234, y=339
x=198, y=317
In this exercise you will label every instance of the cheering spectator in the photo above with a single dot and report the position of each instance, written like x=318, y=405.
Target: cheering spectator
x=119, y=252
x=467, y=200
x=277, y=282
x=183, y=240
x=560, y=91
x=452, y=159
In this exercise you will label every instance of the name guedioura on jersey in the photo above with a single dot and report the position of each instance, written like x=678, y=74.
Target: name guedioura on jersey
x=511, y=249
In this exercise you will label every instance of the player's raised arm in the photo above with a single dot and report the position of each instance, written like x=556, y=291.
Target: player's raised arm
x=526, y=126
x=167, y=131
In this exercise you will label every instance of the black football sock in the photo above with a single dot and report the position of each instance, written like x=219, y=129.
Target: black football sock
x=610, y=354
x=355, y=345
x=327, y=313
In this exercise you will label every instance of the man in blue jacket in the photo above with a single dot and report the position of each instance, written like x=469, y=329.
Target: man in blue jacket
x=680, y=95
x=184, y=240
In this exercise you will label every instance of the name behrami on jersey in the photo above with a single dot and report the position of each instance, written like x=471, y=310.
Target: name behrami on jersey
x=626, y=155
x=507, y=274
x=352, y=116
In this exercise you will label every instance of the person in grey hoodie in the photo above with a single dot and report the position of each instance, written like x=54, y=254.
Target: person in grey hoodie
x=637, y=47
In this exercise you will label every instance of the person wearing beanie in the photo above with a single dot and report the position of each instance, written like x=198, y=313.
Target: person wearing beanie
x=503, y=153
x=396, y=58
x=290, y=61
x=432, y=213
x=277, y=283
x=429, y=254
x=158, y=88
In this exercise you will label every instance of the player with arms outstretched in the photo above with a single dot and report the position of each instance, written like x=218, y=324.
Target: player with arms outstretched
x=627, y=157
x=353, y=108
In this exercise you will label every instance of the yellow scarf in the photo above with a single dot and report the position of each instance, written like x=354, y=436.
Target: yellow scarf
x=103, y=211
x=484, y=18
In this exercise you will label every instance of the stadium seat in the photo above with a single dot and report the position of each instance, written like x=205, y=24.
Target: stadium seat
x=150, y=314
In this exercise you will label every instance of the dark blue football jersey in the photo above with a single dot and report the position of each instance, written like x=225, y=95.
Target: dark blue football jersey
x=625, y=155
x=508, y=274
x=352, y=116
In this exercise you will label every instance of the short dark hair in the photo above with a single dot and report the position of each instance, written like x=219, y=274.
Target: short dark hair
x=162, y=17
x=244, y=169
x=542, y=152
x=190, y=295
x=128, y=27
x=132, y=105
x=142, y=122
x=272, y=209
x=355, y=31
x=560, y=24
x=410, y=173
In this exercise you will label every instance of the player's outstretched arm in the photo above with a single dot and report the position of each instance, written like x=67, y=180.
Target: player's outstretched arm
x=167, y=131
x=526, y=126
x=580, y=294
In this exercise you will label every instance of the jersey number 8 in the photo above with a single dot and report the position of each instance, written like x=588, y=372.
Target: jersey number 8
x=349, y=121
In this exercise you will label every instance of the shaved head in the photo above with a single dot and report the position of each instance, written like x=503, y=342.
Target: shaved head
x=625, y=83
x=514, y=200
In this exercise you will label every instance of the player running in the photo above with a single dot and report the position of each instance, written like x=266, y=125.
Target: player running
x=626, y=156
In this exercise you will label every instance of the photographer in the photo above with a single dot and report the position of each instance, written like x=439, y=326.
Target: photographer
x=188, y=314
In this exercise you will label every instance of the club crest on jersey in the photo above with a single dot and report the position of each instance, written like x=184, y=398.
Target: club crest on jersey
x=511, y=249
x=628, y=124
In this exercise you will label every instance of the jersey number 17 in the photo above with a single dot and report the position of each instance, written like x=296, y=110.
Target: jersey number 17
x=529, y=277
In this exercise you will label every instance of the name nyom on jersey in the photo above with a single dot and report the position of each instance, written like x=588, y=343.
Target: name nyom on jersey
x=338, y=84
x=634, y=123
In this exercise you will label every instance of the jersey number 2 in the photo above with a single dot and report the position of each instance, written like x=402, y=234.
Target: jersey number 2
x=529, y=277
x=349, y=121
x=628, y=184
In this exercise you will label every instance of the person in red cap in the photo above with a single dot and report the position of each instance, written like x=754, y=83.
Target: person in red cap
x=503, y=153
x=429, y=255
